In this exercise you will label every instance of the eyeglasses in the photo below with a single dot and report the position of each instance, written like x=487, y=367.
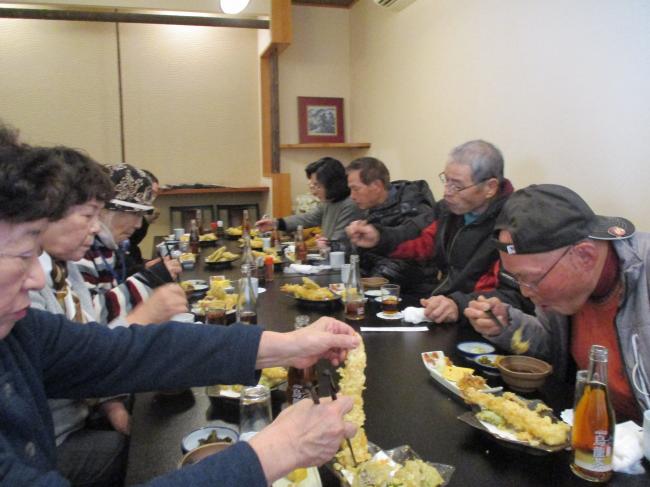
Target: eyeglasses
x=535, y=284
x=455, y=187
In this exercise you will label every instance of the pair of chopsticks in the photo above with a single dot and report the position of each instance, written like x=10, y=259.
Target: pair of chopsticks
x=494, y=318
x=333, y=390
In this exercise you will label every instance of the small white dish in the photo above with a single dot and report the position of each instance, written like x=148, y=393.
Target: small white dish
x=395, y=316
x=472, y=349
x=373, y=292
x=183, y=317
x=191, y=441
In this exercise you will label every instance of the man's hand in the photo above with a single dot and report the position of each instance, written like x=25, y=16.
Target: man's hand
x=362, y=234
x=265, y=224
x=303, y=435
x=326, y=338
x=440, y=309
x=117, y=415
x=165, y=302
x=322, y=242
x=173, y=265
x=482, y=323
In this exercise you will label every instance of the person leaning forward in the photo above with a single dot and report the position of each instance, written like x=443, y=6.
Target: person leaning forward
x=399, y=210
x=589, y=278
x=47, y=356
x=459, y=240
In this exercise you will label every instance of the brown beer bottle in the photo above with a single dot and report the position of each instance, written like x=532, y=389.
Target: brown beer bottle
x=593, y=423
x=194, y=237
x=298, y=380
x=301, y=247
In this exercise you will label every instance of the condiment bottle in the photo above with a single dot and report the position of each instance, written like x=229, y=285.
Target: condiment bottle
x=268, y=268
x=275, y=237
x=354, y=305
x=245, y=224
x=593, y=423
x=299, y=380
x=301, y=247
x=194, y=237
x=220, y=232
x=247, y=299
x=199, y=221
x=248, y=258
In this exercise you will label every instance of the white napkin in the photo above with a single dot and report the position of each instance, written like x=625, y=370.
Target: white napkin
x=394, y=328
x=628, y=447
x=305, y=269
x=414, y=315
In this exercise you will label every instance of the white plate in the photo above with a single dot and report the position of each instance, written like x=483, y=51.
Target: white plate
x=191, y=441
x=472, y=349
x=395, y=316
x=438, y=377
x=312, y=480
x=373, y=292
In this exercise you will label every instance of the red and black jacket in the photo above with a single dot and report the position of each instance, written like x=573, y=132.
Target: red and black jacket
x=464, y=254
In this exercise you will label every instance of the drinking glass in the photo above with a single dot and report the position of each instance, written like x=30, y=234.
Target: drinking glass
x=216, y=313
x=254, y=411
x=390, y=298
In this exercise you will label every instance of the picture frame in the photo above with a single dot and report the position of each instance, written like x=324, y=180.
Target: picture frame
x=320, y=119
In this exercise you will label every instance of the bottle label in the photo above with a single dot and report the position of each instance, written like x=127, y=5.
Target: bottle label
x=600, y=459
x=298, y=392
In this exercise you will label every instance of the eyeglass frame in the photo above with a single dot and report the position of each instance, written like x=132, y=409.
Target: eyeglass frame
x=26, y=258
x=455, y=189
x=535, y=285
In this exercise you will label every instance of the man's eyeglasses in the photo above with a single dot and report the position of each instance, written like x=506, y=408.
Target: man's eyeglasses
x=455, y=187
x=535, y=284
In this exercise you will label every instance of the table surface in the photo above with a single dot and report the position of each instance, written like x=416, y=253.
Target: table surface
x=403, y=405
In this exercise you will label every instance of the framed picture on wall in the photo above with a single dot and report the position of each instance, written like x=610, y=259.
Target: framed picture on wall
x=320, y=119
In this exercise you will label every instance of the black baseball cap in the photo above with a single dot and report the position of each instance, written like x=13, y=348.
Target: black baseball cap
x=545, y=217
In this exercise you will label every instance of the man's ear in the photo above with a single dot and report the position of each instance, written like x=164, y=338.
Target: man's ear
x=492, y=187
x=586, y=253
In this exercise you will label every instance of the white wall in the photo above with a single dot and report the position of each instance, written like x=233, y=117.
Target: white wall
x=560, y=86
x=317, y=63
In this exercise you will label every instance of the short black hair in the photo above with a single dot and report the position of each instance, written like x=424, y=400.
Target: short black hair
x=371, y=169
x=151, y=175
x=331, y=174
x=8, y=136
x=85, y=178
x=31, y=186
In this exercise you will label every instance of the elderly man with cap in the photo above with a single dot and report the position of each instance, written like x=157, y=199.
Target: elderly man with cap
x=589, y=278
x=147, y=296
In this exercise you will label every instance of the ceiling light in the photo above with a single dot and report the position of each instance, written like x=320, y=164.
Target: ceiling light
x=233, y=6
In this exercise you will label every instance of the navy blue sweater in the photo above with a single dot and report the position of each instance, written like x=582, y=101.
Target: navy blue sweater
x=47, y=356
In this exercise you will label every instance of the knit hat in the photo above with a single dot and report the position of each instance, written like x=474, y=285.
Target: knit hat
x=545, y=217
x=132, y=189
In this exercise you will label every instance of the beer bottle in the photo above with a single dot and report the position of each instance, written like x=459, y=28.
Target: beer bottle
x=194, y=237
x=354, y=298
x=245, y=225
x=199, y=221
x=301, y=247
x=275, y=237
x=299, y=380
x=593, y=423
x=247, y=298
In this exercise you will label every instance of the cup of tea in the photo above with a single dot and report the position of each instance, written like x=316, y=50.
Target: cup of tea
x=215, y=314
x=390, y=298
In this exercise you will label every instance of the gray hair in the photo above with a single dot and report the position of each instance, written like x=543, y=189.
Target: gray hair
x=484, y=159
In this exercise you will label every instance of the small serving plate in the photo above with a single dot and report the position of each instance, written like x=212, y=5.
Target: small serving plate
x=472, y=349
x=488, y=361
x=224, y=433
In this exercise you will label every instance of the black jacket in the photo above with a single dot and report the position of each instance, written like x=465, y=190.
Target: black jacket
x=407, y=211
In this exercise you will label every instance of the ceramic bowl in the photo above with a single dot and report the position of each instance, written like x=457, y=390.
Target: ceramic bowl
x=522, y=373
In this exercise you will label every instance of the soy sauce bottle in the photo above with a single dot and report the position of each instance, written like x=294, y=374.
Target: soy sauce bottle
x=299, y=380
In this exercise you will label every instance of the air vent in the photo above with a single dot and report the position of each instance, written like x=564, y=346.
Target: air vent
x=394, y=4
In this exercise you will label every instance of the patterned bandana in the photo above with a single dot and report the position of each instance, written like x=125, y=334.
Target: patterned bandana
x=132, y=189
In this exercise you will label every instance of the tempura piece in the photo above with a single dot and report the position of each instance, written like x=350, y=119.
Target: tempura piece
x=527, y=424
x=352, y=383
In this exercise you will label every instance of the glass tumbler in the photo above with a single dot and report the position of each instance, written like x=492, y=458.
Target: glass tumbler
x=254, y=411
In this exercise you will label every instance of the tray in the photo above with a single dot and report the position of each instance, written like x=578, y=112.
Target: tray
x=451, y=386
x=507, y=439
x=399, y=454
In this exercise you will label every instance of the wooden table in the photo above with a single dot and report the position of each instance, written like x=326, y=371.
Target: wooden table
x=403, y=406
